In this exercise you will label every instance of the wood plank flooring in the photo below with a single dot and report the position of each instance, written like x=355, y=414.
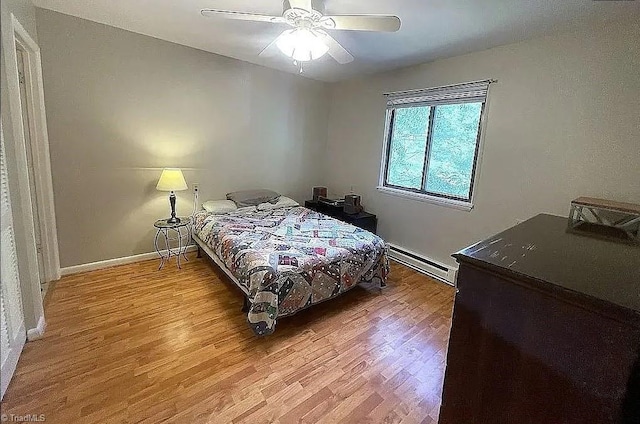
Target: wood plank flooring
x=132, y=344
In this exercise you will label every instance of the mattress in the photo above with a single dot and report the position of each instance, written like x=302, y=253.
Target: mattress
x=288, y=259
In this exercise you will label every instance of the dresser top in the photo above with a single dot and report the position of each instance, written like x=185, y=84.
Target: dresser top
x=541, y=249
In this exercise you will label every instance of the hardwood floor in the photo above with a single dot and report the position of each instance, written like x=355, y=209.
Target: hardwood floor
x=133, y=344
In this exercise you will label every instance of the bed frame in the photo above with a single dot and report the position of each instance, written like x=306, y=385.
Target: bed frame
x=202, y=247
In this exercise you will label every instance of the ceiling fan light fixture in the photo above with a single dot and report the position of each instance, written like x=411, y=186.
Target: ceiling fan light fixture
x=302, y=44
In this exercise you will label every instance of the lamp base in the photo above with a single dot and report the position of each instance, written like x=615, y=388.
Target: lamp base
x=172, y=201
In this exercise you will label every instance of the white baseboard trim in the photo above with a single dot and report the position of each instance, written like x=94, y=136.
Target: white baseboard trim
x=423, y=264
x=92, y=266
x=38, y=332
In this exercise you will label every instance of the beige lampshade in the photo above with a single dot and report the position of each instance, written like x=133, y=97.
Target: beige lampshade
x=171, y=179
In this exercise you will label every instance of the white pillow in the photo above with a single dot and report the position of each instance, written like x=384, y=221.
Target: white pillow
x=218, y=207
x=283, y=202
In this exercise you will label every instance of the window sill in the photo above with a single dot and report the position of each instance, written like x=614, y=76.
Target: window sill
x=455, y=204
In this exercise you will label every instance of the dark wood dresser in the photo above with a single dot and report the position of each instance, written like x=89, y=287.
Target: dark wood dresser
x=546, y=330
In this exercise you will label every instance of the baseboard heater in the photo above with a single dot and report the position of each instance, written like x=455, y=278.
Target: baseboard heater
x=424, y=265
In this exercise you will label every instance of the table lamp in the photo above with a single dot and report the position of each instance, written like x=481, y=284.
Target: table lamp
x=172, y=180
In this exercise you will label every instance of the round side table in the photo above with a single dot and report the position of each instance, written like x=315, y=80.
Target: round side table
x=182, y=230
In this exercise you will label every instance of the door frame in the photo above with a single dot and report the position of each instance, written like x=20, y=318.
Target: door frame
x=12, y=37
x=39, y=148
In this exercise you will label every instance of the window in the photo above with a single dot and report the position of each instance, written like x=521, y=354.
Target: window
x=432, y=142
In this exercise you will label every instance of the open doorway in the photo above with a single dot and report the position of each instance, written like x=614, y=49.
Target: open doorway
x=26, y=105
x=33, y=167
x=28, y=171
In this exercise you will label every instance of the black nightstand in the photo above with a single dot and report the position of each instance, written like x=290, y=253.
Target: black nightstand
x=365, y=220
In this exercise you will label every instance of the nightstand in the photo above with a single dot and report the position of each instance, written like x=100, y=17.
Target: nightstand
x=365, y=220
x=181, y=233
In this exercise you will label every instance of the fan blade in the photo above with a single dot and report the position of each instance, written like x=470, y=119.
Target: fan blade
x=336, y=51
x=301, y=4
x=272, y=49
x=381, y=23
x=242, y=16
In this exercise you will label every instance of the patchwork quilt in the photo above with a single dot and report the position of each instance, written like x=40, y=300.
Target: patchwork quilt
x=288, y=259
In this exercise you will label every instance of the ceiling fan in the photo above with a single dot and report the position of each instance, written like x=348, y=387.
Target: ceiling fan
x=308, y=39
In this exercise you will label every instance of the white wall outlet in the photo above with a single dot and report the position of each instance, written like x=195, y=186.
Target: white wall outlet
x=196, y=187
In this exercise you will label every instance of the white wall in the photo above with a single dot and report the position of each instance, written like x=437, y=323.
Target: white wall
x=563, y=121
x=24, y=11
x=121, y=106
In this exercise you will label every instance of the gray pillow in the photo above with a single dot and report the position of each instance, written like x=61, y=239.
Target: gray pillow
x=253, y=197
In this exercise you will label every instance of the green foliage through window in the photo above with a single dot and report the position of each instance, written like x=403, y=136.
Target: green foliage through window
x=432, y=149
x=408, y=146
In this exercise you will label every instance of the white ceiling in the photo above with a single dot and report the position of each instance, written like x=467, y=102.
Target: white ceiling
x=431, y=29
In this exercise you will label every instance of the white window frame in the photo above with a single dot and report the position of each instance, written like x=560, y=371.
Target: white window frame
x=451, y=94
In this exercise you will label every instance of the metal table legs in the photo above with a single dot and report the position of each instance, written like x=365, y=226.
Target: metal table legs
x=181, y=249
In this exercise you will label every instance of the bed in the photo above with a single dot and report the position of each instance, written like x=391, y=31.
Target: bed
x=288, y=259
